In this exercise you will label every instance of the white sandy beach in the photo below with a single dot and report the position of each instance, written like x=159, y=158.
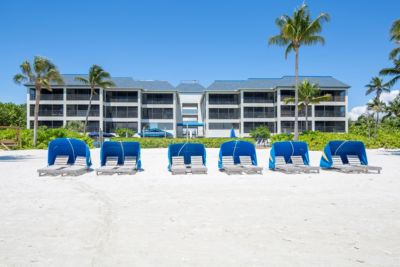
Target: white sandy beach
x=156, y=219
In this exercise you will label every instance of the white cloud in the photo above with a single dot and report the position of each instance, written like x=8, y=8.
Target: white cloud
x=355, y=112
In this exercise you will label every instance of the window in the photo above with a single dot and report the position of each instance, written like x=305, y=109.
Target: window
x=288, y=126
x=113, y=126
x=120, y=112
x=81, y=110
x=225, y=99
x=48, y=124
x=81, y=94
x=158, y=99
x=250, y=126
x=160, y=125
x=330, y=126
x=157, y=113
x=259, y=112
x=286, y=94
x=118, y=96
x=47, y=110
x=223, y=126
x=330, y=111
x=223, y=113
x=259, y=97
x=337, y=95
x=55, y=94
x=288, y=111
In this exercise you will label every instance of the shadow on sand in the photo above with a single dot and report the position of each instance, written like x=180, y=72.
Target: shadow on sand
x=17, y=158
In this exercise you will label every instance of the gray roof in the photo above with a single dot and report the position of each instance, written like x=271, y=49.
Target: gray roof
x=218, y=85
x=190, y=87
x=271, y=83
x=122, y=82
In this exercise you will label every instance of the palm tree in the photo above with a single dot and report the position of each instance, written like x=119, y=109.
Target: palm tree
x=96, y=78
x=309, y=93
x=393, y=108
x=377, y=106
x=376, y=85
x=395, y=36
x=42, y=73
x=393, y=71
x=296, y=31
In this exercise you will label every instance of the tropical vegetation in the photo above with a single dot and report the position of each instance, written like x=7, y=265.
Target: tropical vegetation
x=309, y=94
x=296, y=31
x=97, y=78
x=12, y=115
x=42, y=73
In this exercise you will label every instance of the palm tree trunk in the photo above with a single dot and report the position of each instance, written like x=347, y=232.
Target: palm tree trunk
x=36, y=121
x=88, y=110
x=306, y=117
x=296, y=99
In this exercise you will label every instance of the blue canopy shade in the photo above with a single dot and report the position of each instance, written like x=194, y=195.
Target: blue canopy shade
x=287, y=149
x=237, y=148
x=68, y=147
x=186, y=150
x=190, y=124
x=343, y=148
x=232, y=133
x=120, y=150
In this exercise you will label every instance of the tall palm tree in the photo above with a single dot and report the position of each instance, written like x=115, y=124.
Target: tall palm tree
x=377, y=106
x=393, y=71
x=309, y=93
x=296, y=31
x=377, y=86
x=41, y=73
x=393, y=108
x=395, y=36
x=97, y=78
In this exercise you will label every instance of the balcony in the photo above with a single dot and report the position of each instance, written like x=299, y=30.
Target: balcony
x=82, y=113
x=223, y=99
x=329, y=114
x=258, y=115
x=82, y=97
x=120, y=97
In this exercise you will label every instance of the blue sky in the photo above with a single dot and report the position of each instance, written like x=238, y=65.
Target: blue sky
x=185, y=40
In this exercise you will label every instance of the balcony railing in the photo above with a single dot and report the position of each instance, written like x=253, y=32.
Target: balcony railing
x=82, y=113
x=330, y=129
x=329, y=114
x=259, y=115
x=48, y=113
x=122, y=100
x=222, y=102
x=81, y=97
x=223, y=116
x=49, y=97
x=257, y=100
x=121, y=115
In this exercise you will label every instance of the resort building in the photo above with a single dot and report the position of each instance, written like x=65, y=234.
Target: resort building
x=190, y=107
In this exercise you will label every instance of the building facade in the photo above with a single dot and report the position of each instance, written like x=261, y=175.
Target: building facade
x=191, y=108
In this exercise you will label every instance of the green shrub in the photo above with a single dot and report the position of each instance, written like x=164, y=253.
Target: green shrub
x=125, y=132
x=44, y=136
x=76, y=126
x=164, y=142
x=261, y=132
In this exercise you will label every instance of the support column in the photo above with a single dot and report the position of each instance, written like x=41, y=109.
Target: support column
x=278, y=111
x=139, y=107
x=174, y=114
x=101, y=107
x=206, y=116
x=346, y=103
x=241, y=129
x=64, y=107
x=313, y=117
x=28, y=109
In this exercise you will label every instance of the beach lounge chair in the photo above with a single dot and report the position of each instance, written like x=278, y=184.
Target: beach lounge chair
x=229, y=166
x=338, y=164
x=110, y=167
x=354, y=160
x=196, y=165
x=60, y=163
x=78, y=168
x=283, y=166
x=299, y=162
x=178, y=165
x=129, y=167
x=248, y=167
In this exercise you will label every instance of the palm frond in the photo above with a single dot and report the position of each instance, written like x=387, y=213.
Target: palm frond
x=277, y=40
x=81, y=79
x=19, y=78
x=289, y=49
x=394, y=53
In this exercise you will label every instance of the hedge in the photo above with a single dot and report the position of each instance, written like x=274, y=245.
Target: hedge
x=164, y=142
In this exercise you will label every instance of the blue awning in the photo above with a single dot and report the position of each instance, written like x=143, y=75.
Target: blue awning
x=190, y=124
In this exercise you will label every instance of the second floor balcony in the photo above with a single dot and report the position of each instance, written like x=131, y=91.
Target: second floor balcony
x=224, y=113
x=81, y=111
